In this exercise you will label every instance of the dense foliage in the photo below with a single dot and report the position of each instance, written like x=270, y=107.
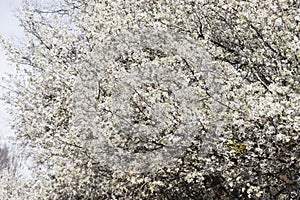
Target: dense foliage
x=179, y=99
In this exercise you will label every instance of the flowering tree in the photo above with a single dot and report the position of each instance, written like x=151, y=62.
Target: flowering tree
x=12, y=183
x=160, y=100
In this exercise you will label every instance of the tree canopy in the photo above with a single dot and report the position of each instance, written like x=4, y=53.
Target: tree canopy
x=181, y=99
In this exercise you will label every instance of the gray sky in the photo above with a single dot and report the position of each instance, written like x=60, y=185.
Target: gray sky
x=9, y=28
